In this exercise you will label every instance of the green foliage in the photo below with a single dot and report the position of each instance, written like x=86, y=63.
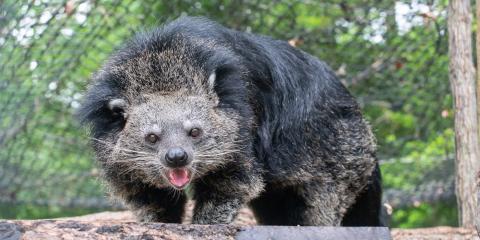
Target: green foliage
x=29, y=211
x=426, y=215
x=423, y=157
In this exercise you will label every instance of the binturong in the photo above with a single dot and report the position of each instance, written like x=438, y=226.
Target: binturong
x=237, y=119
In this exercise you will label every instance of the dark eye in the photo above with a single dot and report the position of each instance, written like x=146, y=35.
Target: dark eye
x=152, y=138
x=195, y=132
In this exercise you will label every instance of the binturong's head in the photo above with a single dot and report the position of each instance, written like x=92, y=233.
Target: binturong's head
x=167, y=108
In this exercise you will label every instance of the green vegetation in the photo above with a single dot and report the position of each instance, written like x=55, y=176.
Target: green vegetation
x=30, y=211
x=426, y=215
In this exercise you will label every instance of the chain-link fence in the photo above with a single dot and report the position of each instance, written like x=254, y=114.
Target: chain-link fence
x=391, y=54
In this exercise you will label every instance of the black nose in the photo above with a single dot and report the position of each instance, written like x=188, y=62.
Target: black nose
x=176, y=157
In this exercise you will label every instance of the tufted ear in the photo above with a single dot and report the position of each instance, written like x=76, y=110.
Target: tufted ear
x=103, y=109
x=118, y=108
x=211, y=86
x=211, y=81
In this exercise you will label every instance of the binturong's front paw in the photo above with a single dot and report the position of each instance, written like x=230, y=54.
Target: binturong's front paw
x=216, y=211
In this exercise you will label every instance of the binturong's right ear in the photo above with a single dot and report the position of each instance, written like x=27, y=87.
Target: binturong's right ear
x=118, y=107
x=103, y=110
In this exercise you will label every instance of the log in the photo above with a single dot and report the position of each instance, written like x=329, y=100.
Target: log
x=115, y=225
x=435, y=233
x=71, y=229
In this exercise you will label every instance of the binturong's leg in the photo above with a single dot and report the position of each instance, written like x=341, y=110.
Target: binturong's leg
x=366, y=211
x=278, y=206
x=307, y=204
x=220, y=195
x=152, y=204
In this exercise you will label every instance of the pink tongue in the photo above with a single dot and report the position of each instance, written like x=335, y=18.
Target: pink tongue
x=178, y=177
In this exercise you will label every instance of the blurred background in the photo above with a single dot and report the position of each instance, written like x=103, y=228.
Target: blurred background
x=392, y=55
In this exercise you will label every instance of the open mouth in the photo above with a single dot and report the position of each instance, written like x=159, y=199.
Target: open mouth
x=179, y=177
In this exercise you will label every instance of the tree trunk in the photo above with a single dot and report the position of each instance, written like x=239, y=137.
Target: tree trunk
x=477, y=222
x=478, y=65
x=462, y=81
x=478, y=108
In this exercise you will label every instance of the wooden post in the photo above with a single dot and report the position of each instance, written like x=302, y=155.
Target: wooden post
x=462, y=82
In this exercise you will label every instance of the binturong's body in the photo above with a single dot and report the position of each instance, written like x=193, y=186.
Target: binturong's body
x=239, y=119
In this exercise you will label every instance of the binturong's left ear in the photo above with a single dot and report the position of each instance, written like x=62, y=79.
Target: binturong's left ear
x=212, y=78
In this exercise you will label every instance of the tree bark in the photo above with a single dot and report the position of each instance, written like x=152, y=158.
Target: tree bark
x=478, y=64
x=477, y=223
x=70, y=229
x=462, y=81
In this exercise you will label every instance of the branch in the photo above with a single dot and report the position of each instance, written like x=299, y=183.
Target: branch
x=376, y=66
x=11, y=133
x=432, y=192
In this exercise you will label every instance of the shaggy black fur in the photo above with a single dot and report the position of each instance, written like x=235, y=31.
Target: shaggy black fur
x=308, y=156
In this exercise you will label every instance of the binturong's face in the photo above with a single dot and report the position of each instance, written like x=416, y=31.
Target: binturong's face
x=172, y=138
x=156, y=118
